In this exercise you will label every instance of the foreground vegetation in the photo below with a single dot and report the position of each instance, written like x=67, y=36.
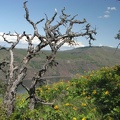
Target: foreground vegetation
x=94, y=96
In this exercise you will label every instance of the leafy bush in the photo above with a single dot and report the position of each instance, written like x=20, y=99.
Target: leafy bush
x=103, y=88
x=97, y=91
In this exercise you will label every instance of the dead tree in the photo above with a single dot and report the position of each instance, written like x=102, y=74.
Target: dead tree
x=16, y=73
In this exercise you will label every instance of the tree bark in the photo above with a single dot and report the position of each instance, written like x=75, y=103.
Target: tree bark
x=10, y=94
x=9, y=100
x=31, y=104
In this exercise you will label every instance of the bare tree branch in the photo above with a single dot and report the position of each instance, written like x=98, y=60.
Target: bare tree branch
x=64, y=13
x=31, y=22
x=24, y=86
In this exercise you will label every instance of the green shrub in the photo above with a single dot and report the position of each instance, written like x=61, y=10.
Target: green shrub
x=103, y=88
x=3, y=115
x=94, y=96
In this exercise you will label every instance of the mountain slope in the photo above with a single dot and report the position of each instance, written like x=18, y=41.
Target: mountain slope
x=87, y=59
x=70, y=62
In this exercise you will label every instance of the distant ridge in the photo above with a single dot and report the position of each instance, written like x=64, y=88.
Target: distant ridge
x=71, y=62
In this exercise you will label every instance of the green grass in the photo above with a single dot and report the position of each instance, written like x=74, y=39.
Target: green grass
x=93, y=96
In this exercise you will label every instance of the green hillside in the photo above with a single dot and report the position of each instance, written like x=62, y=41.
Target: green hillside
x=87, y=59
x=70, y=62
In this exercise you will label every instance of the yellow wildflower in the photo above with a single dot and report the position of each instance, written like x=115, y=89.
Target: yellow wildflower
x=84, y=104
x=67, y=104
x=72, y=83
x=48, y=88
x=88, y=97
x=82, y=76
x=84, y=118
x=107, y=92
x=67, y=88
x=23, y=100
x=91, y=75
x=56, y=107
x=94, y=92
x=74, y=108
x=94, y=109
x=74, y=118
x=61, y=82
x=83, y=93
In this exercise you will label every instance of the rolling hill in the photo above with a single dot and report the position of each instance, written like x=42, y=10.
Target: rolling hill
x=70, y=62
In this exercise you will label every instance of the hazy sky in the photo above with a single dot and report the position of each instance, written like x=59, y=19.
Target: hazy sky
x=104, y=14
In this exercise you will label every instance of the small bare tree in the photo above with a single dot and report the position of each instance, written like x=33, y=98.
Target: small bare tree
x=16, y=73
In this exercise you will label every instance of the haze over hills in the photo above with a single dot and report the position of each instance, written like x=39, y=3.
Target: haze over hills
x=70, y=62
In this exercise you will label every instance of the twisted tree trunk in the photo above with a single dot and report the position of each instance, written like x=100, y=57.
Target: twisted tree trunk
x=9, y=100
x=10, y=94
